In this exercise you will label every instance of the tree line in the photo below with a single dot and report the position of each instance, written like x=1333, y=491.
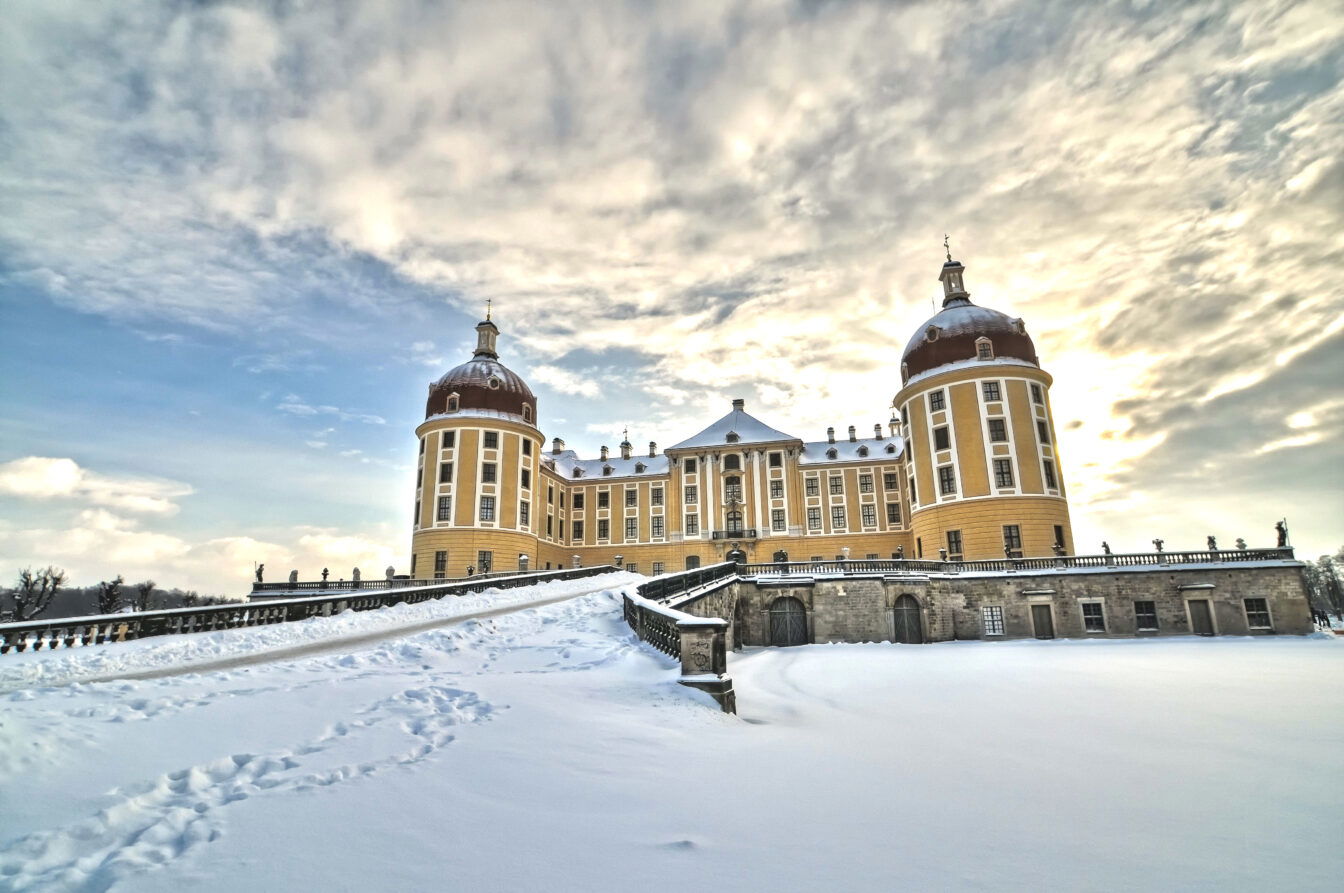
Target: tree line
x=42, y=592
x=1325, y=583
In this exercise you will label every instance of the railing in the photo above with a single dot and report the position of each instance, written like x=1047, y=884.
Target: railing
x=660, y=589
x=901, y=566
x=103, y=628
x=261, y=589
x=747, y=534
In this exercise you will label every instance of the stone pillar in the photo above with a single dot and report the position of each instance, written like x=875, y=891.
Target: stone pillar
x=704, y=659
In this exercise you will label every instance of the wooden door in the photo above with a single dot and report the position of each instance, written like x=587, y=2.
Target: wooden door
x=1042, y=621
x=909, y=623
x=1201, y=620
x=788, y=622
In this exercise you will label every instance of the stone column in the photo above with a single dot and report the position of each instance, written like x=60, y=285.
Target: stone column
x=704, y=659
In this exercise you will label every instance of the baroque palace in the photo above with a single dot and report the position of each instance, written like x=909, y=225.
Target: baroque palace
x=967, y=468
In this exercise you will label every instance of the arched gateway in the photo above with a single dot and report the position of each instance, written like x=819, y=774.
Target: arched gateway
x=909, y=623
x=788, y=622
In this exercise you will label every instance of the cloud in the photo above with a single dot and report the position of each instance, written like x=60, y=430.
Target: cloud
x=294, y=405
x=565, y=381
x=46, y=478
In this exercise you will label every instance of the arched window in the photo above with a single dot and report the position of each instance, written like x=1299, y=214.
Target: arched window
x=732, y=462
x=733, y=521
x=452, y=403
x=863, y=451
x=831, y=453
x=732, y=489
x=527, y=413
x=732, y=437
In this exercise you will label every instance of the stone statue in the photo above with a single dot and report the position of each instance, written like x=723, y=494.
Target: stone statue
x=900, y=553
x=1059, y=549
x=1105, y=548
x=324, y=574
x=1157, y=544
x=471, y=569
x=355, y=575
x=1213, y=544
x=1280, y=527
x=942, y=554
x=293, y=576
x=261, y=569
x=1241, y=544
x=390, y=572
x=1007, y=550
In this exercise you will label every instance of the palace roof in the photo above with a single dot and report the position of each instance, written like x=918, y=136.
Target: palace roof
x=736, y=427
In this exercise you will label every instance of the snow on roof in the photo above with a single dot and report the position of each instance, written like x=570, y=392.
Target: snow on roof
x=748, y=429
x=481, y=414
x=567, y=461
x=864, y=450
x=967, y=364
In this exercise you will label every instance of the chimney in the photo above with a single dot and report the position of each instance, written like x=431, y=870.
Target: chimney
x=653, y=449
x=877, y=431
x=739, y=405
x=625, y=449
x=557, y=446
x=604, y=454
x=851, y=434
x=830, y=435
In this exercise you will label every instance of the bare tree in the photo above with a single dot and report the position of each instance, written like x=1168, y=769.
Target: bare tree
x=190, y=598
x=143, y=592
x=109, y=596
x=36, y=590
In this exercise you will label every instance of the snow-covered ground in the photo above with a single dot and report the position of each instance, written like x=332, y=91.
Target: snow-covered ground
x=546, y=750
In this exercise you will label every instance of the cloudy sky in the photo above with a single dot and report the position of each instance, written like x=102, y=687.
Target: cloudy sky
x=238, y=240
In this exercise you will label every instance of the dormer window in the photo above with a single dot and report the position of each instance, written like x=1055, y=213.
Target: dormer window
x=905, y=372
x=891, y=448
x=606, y=470
x=732, y=437
x=578, y=472
x=931, y=333
x=863, y=451
x=452, y=402
x=984, y=349
x=639, y=467
x=493, y=383
x=527, y=413
x=831, y=453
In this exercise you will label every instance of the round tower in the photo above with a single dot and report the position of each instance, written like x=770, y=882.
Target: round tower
x=478, y=469
x=981, y=454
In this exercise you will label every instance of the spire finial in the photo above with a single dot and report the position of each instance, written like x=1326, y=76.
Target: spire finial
x=947, y=247
x=625, y=433
x=488, y=302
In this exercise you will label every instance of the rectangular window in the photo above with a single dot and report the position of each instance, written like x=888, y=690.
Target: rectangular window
x=947, y=480
x=776, y=460
x=936, y=401
x=776, y=489
x=527, y=447
x=692, y=525
x=487, y=508
x=445, y=472
x=657, y=522
x=445, y=508
x=659, y=568
x=449, y=439
x=550, y=525
x=415, y=521
x=1050, y=474
x=632, y=567
x=1145, y=615
x=1036, y=396
x=631, y=497
x=954, y=544
x=992, y=616
x=1059, y=535
x=690, y=466
x=603, y=499
x=814, y=518
x=631, y=528
x=562, y=499
x=941, y=440
x=905, y=414
x=550, y=495
x=524, y=513
x=1257, y=613
x=440, y=562
x=998, y=431
x=1012, y=540
x=813, y=487
x=991, y=391
x=1094, y=621
x=865, y=483
x=656, y=496
x=1042, y=430
x=889, y=481
x=1003, y=472
x=527, y=479
x=487, y=472
x=603, y=529
x=893, y=513
x=837, y=517
x=578, y=500
x=422, y=445
x=492, y=440
x=837, y=484
x=868, y=514
x=485, y=561
x=562, y=529
x=578, y=531
x=914, y=494
x=777, y=521
x=692, y=495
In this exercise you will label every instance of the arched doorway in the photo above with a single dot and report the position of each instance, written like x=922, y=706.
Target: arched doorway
x=788, y=622
x=909, y=624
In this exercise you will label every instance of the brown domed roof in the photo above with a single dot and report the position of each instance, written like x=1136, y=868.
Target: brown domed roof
x=483, y=383
x=950, y=335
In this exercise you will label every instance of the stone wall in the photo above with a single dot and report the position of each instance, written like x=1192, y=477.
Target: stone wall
x=860, y=608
